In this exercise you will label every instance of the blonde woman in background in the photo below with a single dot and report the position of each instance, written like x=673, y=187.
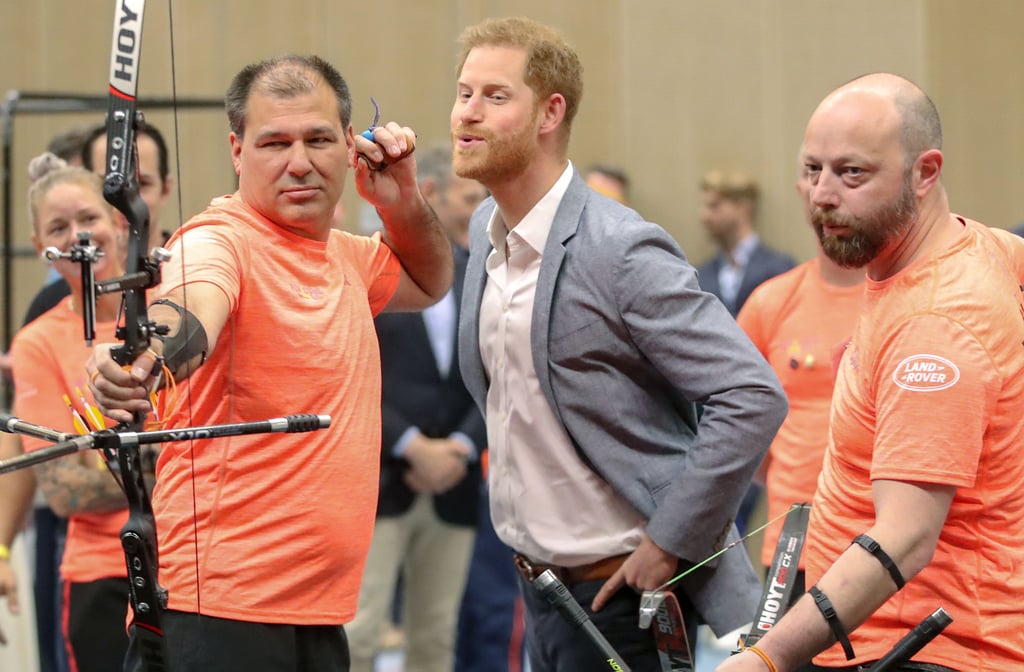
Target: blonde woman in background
x=50, y=379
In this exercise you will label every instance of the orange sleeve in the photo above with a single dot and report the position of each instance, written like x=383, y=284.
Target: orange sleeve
x=210, y=254
x=38, y=397
x=376, y=264
x=936, y=389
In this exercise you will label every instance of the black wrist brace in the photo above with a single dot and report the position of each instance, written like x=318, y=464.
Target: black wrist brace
x=824, y=605
x=187, y=343
x=875, y=549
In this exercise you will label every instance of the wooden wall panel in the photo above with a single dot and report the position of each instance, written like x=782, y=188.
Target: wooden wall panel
x=974, y=54
x=731, y=84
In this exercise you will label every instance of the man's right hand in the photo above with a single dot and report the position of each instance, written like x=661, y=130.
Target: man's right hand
x=117, y=391
x=8, y=589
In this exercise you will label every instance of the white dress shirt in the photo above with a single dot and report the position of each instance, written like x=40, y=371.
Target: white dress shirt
x=545, y=501
x=730, y=274
x=440, y=320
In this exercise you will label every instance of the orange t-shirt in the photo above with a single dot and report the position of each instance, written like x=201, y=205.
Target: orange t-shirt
x=797, y=320
x=282, y=521
x=930, y=390
x=49, y=356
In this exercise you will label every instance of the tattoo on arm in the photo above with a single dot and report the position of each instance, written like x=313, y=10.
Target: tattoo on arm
x=71, y=487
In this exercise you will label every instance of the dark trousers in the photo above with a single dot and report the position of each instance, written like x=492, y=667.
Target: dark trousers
x=554, y=645
x=747, y=506
x=51, y=531
x=94, y=624
x=490, y=631
x=206, y=644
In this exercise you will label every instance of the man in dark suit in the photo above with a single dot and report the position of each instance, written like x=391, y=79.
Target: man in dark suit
x=432, y=438
x=728, y=210
x=585, y=336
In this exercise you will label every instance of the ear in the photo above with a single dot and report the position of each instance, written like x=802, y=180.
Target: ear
x=350, y=144
x=36, y=243
x=552, y=114
x=927, y=171
x=236, y=151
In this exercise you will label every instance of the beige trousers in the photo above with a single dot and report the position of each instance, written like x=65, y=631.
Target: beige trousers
x=433, y=557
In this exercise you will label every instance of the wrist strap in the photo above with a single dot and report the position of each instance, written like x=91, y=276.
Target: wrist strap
x=829, y=612
x=5, y=552
x=763, y=656
x=875, y=549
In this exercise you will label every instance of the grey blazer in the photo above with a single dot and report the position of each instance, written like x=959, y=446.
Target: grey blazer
x=626, y=344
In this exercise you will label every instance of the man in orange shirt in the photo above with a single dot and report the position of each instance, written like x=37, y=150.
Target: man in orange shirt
x=263, y=538
x=919, y=504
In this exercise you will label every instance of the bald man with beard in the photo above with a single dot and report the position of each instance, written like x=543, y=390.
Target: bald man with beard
x=919, y=505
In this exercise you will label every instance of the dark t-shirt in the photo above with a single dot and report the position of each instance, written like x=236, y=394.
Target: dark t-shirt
x=46, y=298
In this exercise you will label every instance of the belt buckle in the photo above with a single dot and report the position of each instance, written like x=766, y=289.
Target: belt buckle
x=530, y=570
x=524, y=567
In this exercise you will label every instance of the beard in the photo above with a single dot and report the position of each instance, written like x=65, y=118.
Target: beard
x=498, y=159
x=868, y=235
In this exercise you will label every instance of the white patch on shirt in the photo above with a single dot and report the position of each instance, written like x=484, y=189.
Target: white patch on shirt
x=926, y=373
